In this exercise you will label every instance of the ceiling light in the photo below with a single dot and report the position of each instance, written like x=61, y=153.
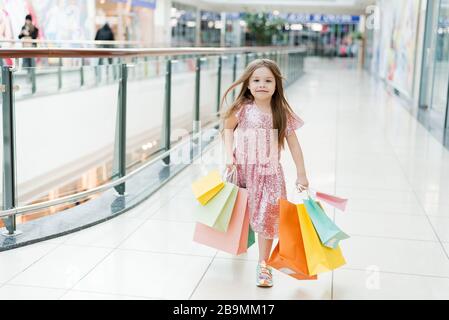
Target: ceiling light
x=296, y=27
x=318, y=27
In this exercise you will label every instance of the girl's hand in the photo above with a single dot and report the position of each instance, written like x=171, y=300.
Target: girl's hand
x=230, y=166
x=302, y=183
x=230, y=163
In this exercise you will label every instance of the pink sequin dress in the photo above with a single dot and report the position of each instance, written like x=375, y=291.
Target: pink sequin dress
x=258, y=170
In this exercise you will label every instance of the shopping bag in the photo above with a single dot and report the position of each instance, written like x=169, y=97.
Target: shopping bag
x=207, y=187
x=289, y=255
x=319, y=258
x=328, y=232
x=218, y=211
x=336, y=202
x=236, y=239
x=251, y=235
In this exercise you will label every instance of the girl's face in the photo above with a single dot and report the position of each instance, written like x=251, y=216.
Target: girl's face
x=262, y=83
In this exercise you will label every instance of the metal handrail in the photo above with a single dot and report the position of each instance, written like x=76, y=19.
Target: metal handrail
x=104, y=187
x=104, y=53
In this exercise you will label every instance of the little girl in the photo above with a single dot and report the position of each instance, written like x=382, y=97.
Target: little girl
x=259, y=121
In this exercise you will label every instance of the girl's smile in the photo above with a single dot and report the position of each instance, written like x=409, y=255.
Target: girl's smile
x=262, y=83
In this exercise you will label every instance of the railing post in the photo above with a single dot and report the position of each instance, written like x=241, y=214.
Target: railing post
x=120, y=133
x=82, y=72
x=294, y=66
x=167, y=111
x=234, y=74
x=219, y=72
x=60, y=74
x=145, y=59
x=297, y=65
x=196, y=108
x=33, y=79
x=196, y=112
x=246, y=59
x=9, y=149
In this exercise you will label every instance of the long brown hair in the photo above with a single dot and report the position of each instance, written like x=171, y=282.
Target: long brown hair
x=279, y=105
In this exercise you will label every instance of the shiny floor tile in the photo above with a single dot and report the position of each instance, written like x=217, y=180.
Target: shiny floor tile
x=235, y=279
x=108, y=234
x=393, y=255
x=146, y=274
x=182, y=210
x=61, y=268
x=14, y=261
x=84, y=295
x=387, y=225
x=441, y=226
x=167, y=237
x=13, y=292
x=374, y=285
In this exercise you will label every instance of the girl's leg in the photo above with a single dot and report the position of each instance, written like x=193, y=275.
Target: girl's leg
x=264, y=248
x=264, y=276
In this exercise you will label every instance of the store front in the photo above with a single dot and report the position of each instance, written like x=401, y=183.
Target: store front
x=129, y=20
x=183, y=21
x=434, y=88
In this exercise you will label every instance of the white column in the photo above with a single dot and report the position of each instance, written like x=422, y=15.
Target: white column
x=162, y=23
x=198, y=28
x=223, y=30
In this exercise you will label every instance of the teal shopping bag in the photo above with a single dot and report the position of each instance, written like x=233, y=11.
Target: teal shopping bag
x=328, y=232
x=218, y=211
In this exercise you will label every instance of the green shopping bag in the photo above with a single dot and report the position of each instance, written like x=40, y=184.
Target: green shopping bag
x=218, y=211
x=251, y=237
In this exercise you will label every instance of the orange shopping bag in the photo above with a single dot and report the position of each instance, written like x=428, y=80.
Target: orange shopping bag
x=289, y=255
x=235, y=239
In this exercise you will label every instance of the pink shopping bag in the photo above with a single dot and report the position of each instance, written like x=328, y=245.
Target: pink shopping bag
x=334, y=201
x=235, y=239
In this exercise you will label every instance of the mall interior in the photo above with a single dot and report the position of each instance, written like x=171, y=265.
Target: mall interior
x=112, y=109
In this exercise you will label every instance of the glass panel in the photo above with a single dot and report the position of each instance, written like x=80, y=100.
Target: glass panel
x=70, y=74
x=208, y=89
x=145, y=108
x=227, y=76
x=441, y=70
x=64, y=143
x=239, y=72
x=182, y=97
x=107, y=70
x=1, y=146
x=240, y=64
x=227, y=71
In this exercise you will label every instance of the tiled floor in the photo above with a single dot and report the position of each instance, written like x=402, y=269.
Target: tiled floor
x=358, y=141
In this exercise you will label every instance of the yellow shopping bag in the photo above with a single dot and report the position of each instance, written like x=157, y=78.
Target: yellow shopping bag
x=217, y=212
x=207, y=187
x=319, y=258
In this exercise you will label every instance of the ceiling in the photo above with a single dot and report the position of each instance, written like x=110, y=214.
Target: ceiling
x=290, y=6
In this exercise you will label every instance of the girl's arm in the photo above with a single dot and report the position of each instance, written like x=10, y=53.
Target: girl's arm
x=298, y=158
x=229, y=125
